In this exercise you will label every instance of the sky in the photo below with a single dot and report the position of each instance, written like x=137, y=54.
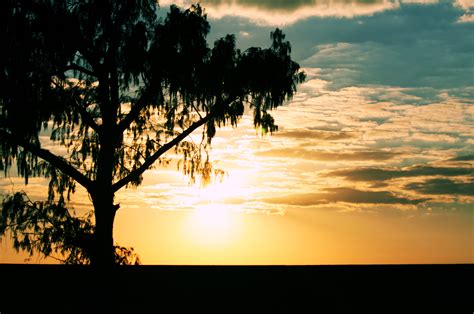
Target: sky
x=373, y=161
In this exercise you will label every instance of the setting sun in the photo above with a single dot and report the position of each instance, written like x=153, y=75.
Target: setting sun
x=213, y=221
x=211, y=225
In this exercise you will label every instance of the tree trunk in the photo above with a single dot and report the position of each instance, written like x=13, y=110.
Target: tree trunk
x=103, y=254
x=103, y=196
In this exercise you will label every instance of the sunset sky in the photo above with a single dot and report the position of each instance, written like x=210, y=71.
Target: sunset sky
x=374, y=158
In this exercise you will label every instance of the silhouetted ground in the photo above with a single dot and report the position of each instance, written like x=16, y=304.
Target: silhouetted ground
x=226, y=289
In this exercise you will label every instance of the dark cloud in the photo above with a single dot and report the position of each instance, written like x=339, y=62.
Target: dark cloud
x=313, y=134
x=308, y=199
x=422, y=47
x=379, y=185
x=443, y=186
x=395, y=27
x=327, y=156
x=378, y=120
x=284, y=5
x=415, y=46
x=377, y=197
x=463, y=158
x=347, y=195
x=379, y=174
x=333, y=127
x=421, y=64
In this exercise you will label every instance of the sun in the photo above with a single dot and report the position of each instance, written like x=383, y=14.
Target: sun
x=214, y=220
x=211, y=225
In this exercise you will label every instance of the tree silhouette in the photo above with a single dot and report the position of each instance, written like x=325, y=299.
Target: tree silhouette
x=118, y=88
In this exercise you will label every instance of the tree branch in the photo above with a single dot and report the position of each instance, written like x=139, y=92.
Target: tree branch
x=85, y=115
x=87, y=118
x=56, y=161
x=133, y=114
x=79, y=68
x=163, y=149
x=89, y=57
x=196, y=109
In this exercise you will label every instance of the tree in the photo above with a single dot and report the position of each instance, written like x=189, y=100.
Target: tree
x=118, y=88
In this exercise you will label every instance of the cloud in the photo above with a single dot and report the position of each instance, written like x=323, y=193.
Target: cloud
x=421, y=1
x=343, y=194
x=284, y=12
x=468, y=7
x=379, y=174
x=296, y=152
x=394, y=48
x=469, y=157
x=272, y=5
x=443, y=186
x=422, y=63
x=314, y=134
x=466, y=18
x=464, y=4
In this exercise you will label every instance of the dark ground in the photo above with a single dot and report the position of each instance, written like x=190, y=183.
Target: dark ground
x=243, y=289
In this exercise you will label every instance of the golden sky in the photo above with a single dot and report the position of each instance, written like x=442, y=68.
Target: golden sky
x=373, y=162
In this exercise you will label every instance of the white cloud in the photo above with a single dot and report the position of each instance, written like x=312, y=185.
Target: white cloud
x=465, y=4
x=466, y=18
x=281, y=13
x=421, y=1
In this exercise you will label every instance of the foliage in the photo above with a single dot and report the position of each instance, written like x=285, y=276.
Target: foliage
x=117, y=88
x=51, y=230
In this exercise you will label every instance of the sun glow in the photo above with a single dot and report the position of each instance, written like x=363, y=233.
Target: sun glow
x=212, y=225
x=231, y=186
x=213, y=221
